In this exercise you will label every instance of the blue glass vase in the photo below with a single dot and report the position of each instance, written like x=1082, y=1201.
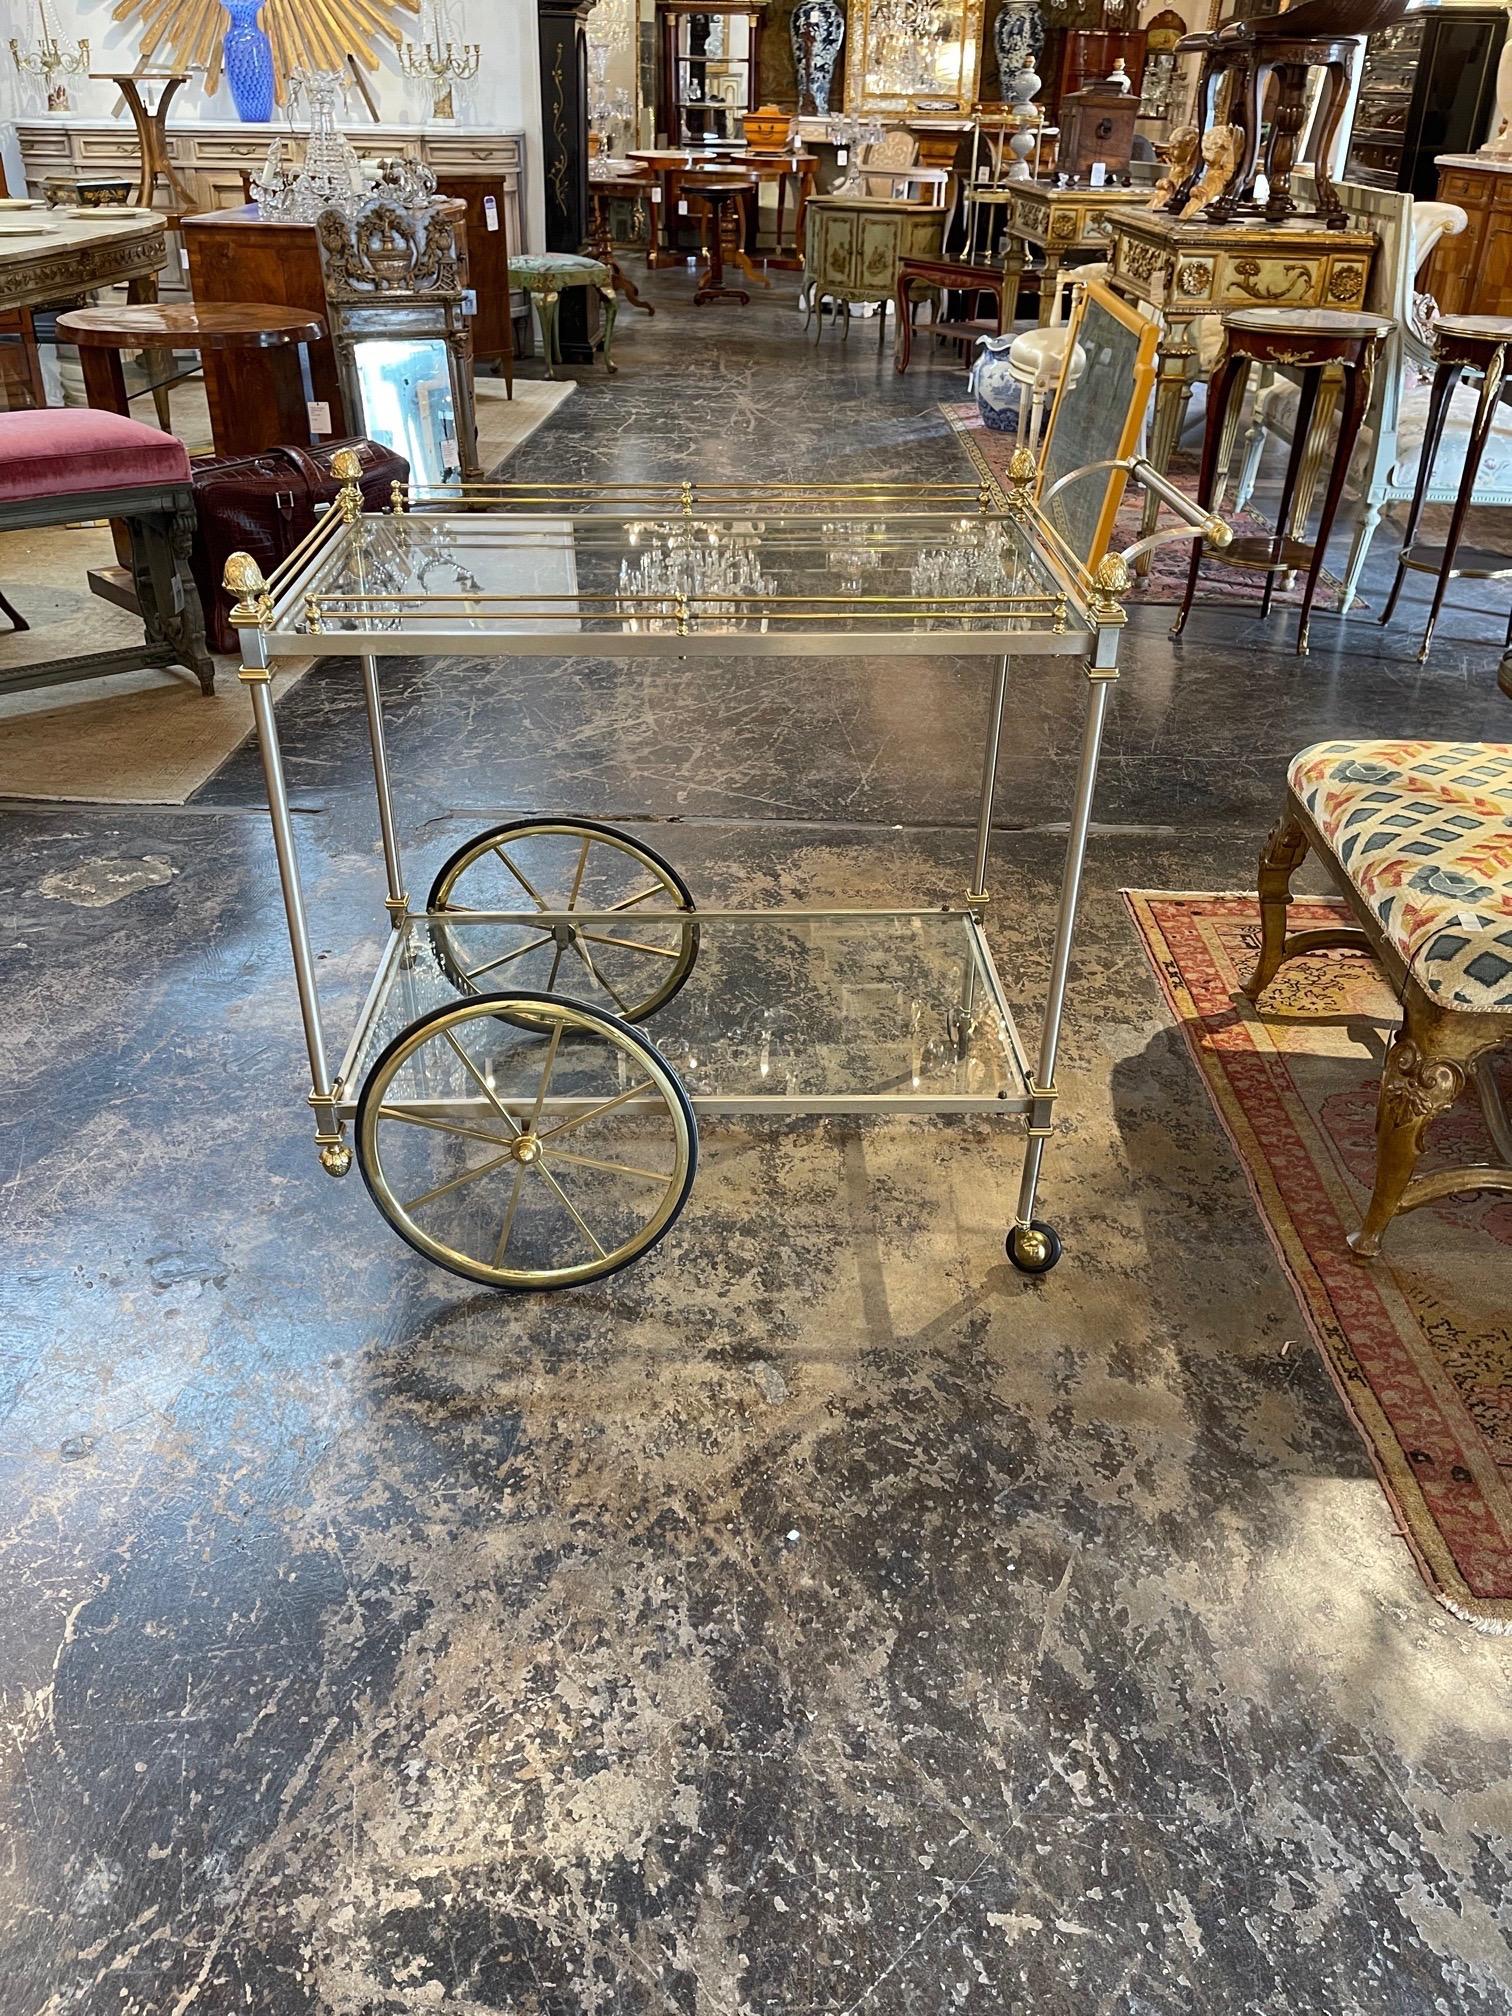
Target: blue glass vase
x=248, y=61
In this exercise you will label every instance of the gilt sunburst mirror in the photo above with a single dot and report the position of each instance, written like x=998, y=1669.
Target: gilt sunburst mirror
x=302, y=34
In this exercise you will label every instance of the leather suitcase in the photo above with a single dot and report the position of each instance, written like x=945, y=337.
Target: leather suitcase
x=264, y=505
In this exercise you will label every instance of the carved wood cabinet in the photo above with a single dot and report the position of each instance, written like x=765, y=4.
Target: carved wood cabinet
x=853, y=244
x=1472, y=274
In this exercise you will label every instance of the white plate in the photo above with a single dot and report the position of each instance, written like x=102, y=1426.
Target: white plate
x=106, y=210
x=26, y=227
x=21, y=203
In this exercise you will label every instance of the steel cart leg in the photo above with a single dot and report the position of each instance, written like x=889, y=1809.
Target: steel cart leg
x=335, y=1156
x=396, y=902
x=976, y=896
x=1032, y=1247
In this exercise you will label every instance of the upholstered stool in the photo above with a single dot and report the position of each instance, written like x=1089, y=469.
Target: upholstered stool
x=1460, y=343
x=61, y=464
x=1308, y=340
x=544, y=275
x=1418, y=838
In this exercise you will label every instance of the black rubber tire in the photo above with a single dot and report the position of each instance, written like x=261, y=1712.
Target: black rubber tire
x=638, y=1040
x=481, y=843
x=1052, y=1254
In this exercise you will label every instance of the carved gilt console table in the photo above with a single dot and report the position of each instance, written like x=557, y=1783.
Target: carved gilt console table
x=1059, y=224
x=1187, y=269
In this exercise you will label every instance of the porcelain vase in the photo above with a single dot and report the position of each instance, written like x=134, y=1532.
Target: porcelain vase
x=249, y=61
x=1018, y=35
x=823, y=22
x=992, y=384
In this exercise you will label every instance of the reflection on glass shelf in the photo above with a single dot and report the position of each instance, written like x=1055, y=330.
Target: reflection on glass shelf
x=891, y=1005
x=407, y=404
x=774, y=571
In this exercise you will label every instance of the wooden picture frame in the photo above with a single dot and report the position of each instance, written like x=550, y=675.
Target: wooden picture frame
x=1092, y=431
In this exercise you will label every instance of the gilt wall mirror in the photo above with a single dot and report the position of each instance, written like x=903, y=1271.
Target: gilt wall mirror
x=398, y=315
x=1097, y=420
x=901, y=51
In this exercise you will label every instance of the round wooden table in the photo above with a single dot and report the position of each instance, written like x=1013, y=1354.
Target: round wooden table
x=103, y=334
x=672, y=166
x=718, y=191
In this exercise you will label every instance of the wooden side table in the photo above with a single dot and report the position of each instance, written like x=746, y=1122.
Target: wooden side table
x=1186, y=269
x=944, y=276
x=726, y=195
x=1306, y=340
x=1460, y=343
x=625, y=180
x=151, y=122
x=103, y=334
x=1060, y=224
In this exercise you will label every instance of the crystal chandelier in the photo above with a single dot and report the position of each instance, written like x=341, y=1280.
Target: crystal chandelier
x=328, y=176
x=904, y=35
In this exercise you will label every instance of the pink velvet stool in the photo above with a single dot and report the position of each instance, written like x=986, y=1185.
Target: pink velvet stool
x=60, y=464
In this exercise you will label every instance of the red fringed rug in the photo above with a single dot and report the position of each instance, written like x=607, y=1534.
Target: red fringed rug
x=1418, y=1341
x=1166, y=580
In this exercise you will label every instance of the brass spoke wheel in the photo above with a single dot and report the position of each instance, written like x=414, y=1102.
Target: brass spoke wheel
x=565, y=865
x=524, y=1164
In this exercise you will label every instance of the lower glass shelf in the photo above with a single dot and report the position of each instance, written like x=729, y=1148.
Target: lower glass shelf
x=777, y=1011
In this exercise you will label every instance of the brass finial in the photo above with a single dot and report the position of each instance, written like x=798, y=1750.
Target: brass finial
x=346, y=467
x=1218, y=533
x=243, y=578
x=1111, y=579
x=396, y=496
x=1022, y=470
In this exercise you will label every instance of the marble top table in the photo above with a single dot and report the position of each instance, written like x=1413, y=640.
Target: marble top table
x=73, y=255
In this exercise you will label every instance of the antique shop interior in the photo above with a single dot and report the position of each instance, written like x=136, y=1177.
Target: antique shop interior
x=756, y=794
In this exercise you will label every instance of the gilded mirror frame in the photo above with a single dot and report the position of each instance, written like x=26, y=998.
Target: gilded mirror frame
x=1147, y=330
x=860, y=38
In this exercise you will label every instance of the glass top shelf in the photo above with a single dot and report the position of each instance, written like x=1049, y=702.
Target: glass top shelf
x=650, y=570
x=782, y=1011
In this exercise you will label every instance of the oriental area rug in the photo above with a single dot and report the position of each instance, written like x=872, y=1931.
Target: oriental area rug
x=990, y=452
x=1419, y=1340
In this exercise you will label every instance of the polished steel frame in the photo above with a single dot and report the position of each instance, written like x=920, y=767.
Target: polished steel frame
x=285, y=616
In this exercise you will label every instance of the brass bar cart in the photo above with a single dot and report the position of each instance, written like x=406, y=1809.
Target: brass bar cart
x=522, y=1085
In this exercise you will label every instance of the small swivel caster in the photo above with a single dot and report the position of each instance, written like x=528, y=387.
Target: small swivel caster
x=1033, y=1248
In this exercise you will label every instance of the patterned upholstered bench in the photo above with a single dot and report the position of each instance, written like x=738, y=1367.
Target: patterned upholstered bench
x=1418, y=837
x=59, y=465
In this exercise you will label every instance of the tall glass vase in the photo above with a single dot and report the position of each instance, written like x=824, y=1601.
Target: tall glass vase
x=249, y=61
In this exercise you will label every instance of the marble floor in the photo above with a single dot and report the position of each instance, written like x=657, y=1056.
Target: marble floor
x=819, y=1617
